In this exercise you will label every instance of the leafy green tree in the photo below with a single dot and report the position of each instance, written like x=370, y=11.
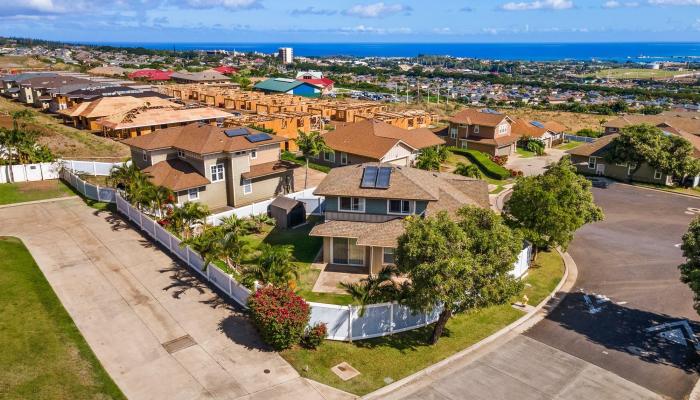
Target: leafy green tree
x=638, y=144
x=549, y=208
x=468, y=170
x=275, y=266
x=19, y=142
x=535, y=146
x=311, y=145
x=458, y=264
x=429, y=159
x=690, y=269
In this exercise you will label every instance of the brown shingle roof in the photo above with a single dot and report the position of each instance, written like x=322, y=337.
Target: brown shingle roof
x=373, y=139
x=384, y=234
x=472, y=116
x=596, y=148
x=522, y=128
x=555, y=126
x=176, y=175
x=270, y=168
x=199, y=139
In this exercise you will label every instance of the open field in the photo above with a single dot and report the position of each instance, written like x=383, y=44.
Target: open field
x=390, y=358
x=44, y=355
x=9, y=62
x=63, y=140
x=11, y=193
x=575, y=121
x=635, y=73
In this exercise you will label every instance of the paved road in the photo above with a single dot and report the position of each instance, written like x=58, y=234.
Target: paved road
x=534, y=165
x=630, y=258
x=128, y=298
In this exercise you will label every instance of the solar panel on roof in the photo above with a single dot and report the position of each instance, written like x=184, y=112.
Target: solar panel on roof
x=369, y=177
x=236, y=132
x=258, y=137
x=537, y=124
x=490, y=111
x=383, y=178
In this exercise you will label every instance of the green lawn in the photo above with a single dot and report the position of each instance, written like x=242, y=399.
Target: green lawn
x=454, y=159
x=569, y=145
x=525, y=153
x=11, y=193
x=400, y=355
x=43, y=354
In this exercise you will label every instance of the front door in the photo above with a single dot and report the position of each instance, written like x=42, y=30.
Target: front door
x=600, y=169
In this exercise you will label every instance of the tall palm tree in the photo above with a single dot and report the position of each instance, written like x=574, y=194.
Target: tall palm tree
x=207, y=244
x=275, y=266
x=311, y=145
x=186, y=217
x=159, y=197
x=374, y=288
x=468, y=170
x=429, y=160
x=234, y=248
x=13, y=139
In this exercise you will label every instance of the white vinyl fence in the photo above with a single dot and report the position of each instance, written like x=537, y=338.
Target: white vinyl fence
x=313, y=204
x=94, y=192
x=575, y=138
x=46, y=171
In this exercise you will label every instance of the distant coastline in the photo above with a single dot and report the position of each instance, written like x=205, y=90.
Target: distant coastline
x=619, y=52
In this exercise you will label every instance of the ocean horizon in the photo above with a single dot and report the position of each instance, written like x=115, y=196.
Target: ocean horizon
x=619, y=52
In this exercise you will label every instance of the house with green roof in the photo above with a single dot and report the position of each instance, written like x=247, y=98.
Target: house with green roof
x=288, y=86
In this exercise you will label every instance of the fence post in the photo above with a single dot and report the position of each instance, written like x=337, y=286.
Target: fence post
x=391, y=317
x=230, y=285
x=350, y=323
x=94, y=168
x=84, y=190
x=98, y=192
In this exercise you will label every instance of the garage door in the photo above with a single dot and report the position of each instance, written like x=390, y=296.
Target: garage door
x=400, y=161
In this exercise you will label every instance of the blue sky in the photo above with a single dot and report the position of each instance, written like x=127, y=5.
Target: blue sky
x=350, y=21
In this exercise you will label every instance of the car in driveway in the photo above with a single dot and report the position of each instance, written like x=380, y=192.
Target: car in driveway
x=598, y=182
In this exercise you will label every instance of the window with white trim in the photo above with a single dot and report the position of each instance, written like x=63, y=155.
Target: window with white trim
x=344, y=158
x=502, y=129
x=247, y=186
x=253, y=154
x=352, y=204
x=193, y=194
x=329, y=156
x=476, y=128
x=217, y=173
x=399, y=206
x=591, y=162
x=388, y=256
x=453, y=132
x=657, y=174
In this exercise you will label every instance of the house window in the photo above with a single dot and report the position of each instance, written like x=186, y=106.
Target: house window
x=657, y=174
x=631, y=168
x=591, y=162
x=344, y=158
x=352, y=204
x=253, y=154
x=399, y=207
x=388, y=256
x=193, y=194
x=453, y=133
x=346, y=251
x=464, y=144
x=247, y=186
x=502, y=129
x=217, y=173
x=476, y=128
x=145, y=156
x=329, y=156
x=181, y=154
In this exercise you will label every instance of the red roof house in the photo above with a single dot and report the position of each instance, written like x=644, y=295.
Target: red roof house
x=226, y=69
x=151, y=75
x=325, y=84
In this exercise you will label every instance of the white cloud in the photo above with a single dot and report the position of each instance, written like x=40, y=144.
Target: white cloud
x=617, y=4
x=376, y=10
x=375, y=30
x=675, y=2
x=312, y=11
x=229, y=4
x=538, y=5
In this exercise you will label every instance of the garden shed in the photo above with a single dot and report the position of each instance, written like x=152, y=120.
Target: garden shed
x=287, y=212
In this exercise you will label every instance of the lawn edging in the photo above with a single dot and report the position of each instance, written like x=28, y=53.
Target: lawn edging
x=25, y=203
x=520, y=325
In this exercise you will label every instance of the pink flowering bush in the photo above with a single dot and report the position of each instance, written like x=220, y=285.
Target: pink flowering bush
x=280, y=316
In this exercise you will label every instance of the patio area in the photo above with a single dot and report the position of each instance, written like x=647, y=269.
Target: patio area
x=332, y=275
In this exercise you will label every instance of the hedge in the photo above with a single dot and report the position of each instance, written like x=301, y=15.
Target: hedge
x=484, y=163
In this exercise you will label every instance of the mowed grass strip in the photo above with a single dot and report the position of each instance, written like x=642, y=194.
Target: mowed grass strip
x=386, y=359
x=11, y=193
x=43, y=355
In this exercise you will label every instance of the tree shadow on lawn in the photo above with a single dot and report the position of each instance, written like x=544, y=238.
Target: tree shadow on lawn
x=621, y=329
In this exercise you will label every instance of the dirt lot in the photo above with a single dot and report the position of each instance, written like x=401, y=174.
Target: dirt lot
x=63, y=140
x=10, y=62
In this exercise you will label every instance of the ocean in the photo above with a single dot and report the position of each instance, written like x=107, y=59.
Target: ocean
x=620, y=52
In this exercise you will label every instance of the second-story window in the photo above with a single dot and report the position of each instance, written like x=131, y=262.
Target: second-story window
x=399, y=207
x=476, y=128
x=247, y=186
x=145, y=156
x=217, y=173
x=353, y=204
x=253, y=154
x=453, y=133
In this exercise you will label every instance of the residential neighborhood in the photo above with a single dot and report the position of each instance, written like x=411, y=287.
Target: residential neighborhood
x=398, y=205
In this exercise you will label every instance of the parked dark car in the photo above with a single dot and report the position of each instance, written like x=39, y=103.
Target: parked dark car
x=598, y=182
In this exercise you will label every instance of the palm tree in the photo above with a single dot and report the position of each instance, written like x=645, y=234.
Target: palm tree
x=259, y=221
x=16, y=137
x=373, y=289
x=159, y=197
x=234, y=248
x=429, y=160
x=275, y=266
x=468, y=170
x=311, y=145
x=188, y=216
x=207, y=244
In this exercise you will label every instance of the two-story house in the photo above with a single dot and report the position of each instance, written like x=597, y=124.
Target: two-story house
x=376, y=141
x=365, y=206
x=220, y=167
x=483, y=130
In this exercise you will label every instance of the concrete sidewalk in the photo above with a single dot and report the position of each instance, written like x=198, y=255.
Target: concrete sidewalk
x=128, y=298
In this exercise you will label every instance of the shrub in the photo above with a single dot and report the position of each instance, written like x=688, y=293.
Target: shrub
x=280, y=316
x=535, y=146
x=314, y=336
x=587, y=132
x=500, y=160
x=485, y=164
x=516, y=173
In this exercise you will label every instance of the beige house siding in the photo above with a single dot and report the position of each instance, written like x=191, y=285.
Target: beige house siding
x=266, y=154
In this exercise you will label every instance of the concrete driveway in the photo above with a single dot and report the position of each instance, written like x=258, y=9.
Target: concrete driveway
x=158, y=331
x=534, y=165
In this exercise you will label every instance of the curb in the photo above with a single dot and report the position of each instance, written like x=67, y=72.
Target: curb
x=520, y=325
x=658, y=190
x=26, y=203
x=500, y=197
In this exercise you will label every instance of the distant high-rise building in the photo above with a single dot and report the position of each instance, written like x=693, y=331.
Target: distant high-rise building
x=285, y=55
